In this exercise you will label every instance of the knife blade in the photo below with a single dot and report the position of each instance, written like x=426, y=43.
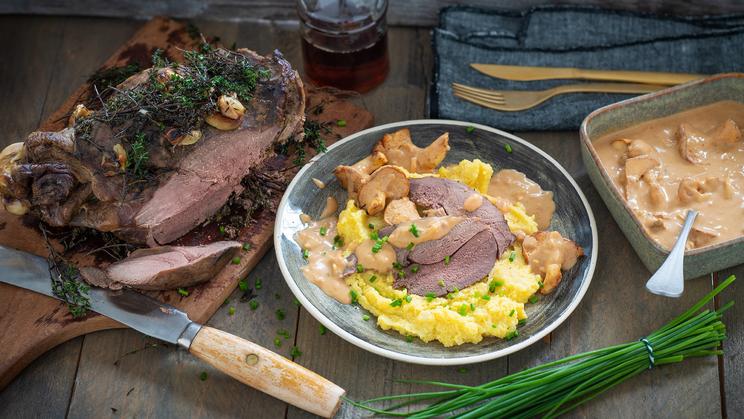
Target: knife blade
x=529, y=73
x=243, y=360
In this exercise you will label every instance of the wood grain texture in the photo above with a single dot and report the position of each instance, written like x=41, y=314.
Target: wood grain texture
x=401, y=12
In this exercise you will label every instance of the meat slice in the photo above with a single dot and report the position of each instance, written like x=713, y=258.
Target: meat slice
x=471, y=263
x=434, y=251
x=165, y=267
x=433, y=193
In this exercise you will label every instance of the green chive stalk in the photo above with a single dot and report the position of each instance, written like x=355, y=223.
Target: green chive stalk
x=557, y=387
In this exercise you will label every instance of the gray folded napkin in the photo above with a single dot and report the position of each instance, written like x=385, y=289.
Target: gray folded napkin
x=570, y=37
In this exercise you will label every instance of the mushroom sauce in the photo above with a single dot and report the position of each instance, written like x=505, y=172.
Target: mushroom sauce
x=689, y=160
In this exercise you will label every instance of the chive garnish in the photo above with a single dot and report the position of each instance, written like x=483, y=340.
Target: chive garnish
x=243, y=285
x=512, y=335
x=396, y=303
x=462, y=370
x=414, y=230
x=338, y=242
x=447, y=260
x=354, y=296
x=253, y=304
x=323, y=231
x=397, y=265
x=409, y=338
x=183, y=292
x=470, y=129
x=246, y=246
x=222, y=230
x=359, y=268
x=374, y=235
x=521, y=322
x=203, y=376
x=533, y=299
x=365, y=317
x=231, y=310
x=322, y=329
x=430, y=296
x=235, y=260
x=373, y=278
x=486, y=297
x=408, y=298
x=414, y=268
x=508, y=147
x=410, y=246
x=371, y=226
x=305, y=254
x=277, y=342
x=295, y=352
x=341, y=123
x=280, y=314
x=463, y=310
x=511, y=313
x=257, y=285
x=512, y=255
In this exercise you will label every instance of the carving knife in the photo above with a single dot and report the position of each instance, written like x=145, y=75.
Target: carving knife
x=245, y=361
x=527, y=73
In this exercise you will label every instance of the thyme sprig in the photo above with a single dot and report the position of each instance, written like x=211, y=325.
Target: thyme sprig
x=66, y=283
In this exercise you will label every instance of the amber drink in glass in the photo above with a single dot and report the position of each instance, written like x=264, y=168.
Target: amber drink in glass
x=344, y=43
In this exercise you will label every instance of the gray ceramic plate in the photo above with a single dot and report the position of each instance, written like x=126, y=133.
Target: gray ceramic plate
x=573, y=218
x=643, y=108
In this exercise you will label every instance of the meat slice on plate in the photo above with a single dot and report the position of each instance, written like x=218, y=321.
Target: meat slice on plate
x=433, y=193
x=150, y=183
x=165, y=267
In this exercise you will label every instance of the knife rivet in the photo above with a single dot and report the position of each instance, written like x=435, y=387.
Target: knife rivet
x=251, y=359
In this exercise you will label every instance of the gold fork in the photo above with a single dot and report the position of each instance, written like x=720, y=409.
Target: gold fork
x=513, y=100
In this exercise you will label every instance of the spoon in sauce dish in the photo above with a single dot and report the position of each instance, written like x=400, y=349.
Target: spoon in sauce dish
x=669, y=279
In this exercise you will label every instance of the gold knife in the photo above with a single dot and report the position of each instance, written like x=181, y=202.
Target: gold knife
x=526, y=73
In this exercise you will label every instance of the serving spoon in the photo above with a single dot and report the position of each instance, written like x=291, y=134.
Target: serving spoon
x=669, y=279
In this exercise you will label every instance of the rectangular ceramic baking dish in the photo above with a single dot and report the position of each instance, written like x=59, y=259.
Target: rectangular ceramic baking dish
x=643, y=108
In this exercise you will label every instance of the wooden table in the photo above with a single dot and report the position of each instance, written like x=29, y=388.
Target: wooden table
x=121, y=373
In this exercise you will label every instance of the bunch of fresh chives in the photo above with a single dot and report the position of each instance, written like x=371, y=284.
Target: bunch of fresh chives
x=555, y=388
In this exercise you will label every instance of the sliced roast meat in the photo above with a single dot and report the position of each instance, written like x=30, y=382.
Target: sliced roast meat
x=184, y=185
x=164, y=268
x=433, y=193
x=471, y=263
x=434, y=251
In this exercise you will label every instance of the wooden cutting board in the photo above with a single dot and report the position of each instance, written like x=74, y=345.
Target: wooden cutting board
x=31, y=324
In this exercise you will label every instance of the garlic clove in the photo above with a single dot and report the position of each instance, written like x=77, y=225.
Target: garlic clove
x=221, y=122
x=80, y=111
x=230, y=106
x=191, y=138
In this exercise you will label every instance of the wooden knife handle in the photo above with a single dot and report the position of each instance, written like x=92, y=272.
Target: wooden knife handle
x=267, y=371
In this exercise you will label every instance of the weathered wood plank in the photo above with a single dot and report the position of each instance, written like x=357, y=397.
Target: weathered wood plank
x=617, y=309
x=401, y=12
x=733, y=358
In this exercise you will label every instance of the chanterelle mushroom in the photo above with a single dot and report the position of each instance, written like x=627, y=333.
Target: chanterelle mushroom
x=547, y=253
x=693, y=190
x=352, y=177
x=400, y=211
x=728, y=133
x=691, y=143
x=385, y=183
x=400, y=151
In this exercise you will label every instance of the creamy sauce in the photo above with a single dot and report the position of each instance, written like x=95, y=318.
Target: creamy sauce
x=547, y=253
x=319, y=183
x=513, y=186
x=429, y=228
x=473, y=202
x=305, y=218
x=382, y=261
x=330, y=208
x=325, y=265
x=690, y=160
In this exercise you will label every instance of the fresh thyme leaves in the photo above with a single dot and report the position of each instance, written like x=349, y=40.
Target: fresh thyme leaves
x=66, y=283
x=139, y=155
x=105, y=78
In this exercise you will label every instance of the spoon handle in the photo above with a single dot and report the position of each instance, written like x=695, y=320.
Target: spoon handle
x=669, y=278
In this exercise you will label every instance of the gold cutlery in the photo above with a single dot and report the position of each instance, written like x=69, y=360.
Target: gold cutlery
x=526, y=73
x=513, y=100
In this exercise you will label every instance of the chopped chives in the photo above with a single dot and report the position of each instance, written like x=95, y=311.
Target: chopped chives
x=511, y=313
x=203, y=376
x=486, y=297
x=463, y=310
x=472, y=307
x=295, y=352
x=283, y=333
x=508, y=147
x=338, y=242
x=414, y=230
x=374, y=235
x=341, y=123
x=409, y=338
x=305, y=254
x=183, y=292
x=297, y=302
x=397, y=265
x=396, y=303
x=258, y=284
x=359, y=268
x=371, y=226
x=277, y=342
x=222, y=230
x=365, y=317
x=540, y=284
x=253, y=304
x=462, y=370
x=373, y=278
x=470, y=129
x=354, y=296
x=512, y=255
x=447, y=260
x=280, y=314
x=323, y=231
x=521, y=322
x=408, y=298
x=512, y=335
x=533, y=299
x=410, y=246
x=236, y=260
x=322, y=329
x=414, y=268
x=231, y=310
x=243, y=285
x=430, y=296
x=246, y=246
